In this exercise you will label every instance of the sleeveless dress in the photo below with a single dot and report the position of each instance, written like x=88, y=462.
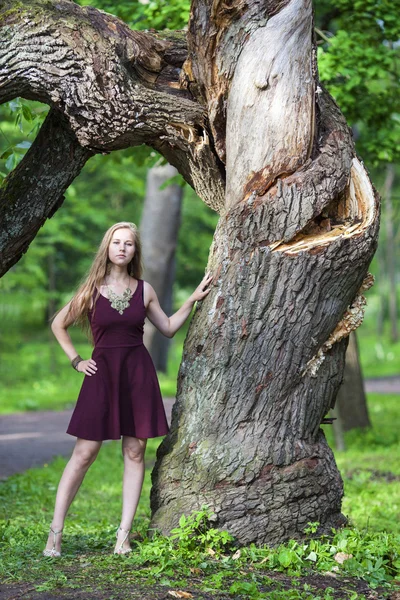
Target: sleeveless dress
x=123, y=397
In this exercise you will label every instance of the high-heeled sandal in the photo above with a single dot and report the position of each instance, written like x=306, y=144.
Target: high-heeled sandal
x=52, y=551
x=120, y=549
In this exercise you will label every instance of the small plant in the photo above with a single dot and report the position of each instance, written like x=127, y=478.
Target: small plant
x=312, y=527
x=196, y=533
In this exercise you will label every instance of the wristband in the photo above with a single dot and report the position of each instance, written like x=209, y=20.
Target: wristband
x=75, y=362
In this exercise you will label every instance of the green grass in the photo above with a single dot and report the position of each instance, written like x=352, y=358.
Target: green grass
x=379, y=357
x=370, y=467
x=371, y=472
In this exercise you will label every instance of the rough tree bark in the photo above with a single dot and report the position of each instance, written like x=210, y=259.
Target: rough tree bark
x=159, y=232
x=239, y=111
x=264, y=355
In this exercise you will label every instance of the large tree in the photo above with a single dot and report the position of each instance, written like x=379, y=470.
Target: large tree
x=236, y=106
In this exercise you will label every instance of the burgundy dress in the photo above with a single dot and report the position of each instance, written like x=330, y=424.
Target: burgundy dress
x=123, y=397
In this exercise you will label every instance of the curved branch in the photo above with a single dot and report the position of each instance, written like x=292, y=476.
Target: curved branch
x=95, y=70
x=116, y=87
x=34, y=190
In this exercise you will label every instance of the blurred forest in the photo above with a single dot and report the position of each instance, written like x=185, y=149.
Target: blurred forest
x=359, y=62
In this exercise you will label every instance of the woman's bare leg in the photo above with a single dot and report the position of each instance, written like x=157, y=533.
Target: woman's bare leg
x=83, y=455
x=133, y=450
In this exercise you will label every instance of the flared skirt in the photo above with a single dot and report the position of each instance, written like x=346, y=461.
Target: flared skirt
x=122, y=398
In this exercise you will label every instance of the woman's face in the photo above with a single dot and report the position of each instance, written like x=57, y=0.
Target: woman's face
x=122, y=247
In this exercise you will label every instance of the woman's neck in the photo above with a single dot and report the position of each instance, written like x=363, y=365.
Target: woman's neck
x=117, y=275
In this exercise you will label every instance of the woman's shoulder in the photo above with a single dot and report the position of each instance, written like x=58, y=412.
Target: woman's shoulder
x=147, y=287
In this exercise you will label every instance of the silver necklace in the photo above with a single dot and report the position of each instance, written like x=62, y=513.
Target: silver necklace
x=120, y=303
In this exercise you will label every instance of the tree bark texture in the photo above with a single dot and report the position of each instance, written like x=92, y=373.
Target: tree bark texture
x=159, y=232
x=238, y=109
x=264, y=356
x=351, y=401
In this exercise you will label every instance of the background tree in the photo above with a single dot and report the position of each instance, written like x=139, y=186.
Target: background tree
x=297, y=231
x=159, y=233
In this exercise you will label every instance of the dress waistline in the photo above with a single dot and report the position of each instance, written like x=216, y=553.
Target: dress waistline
x=118, y=346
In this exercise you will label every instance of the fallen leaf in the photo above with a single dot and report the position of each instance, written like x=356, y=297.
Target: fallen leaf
x=210, y=551
x=180, y=594
x=312, y=556
x=236, y=555
x=340, y=557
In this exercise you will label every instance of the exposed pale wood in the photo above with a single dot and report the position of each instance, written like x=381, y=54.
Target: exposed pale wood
x=273, y=86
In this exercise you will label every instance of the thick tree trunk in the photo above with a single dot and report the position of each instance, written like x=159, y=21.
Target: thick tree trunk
x=159, y=232
x=264, y=355
x=351, y=401
x=240, y=113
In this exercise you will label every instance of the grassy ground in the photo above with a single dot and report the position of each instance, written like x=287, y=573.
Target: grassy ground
x=199, y=562
x=370, y=467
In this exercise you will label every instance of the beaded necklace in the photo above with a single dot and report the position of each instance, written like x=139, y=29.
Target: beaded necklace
x=120, y=303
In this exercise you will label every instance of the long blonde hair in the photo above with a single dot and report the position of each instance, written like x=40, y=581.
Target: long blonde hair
x=81, y=301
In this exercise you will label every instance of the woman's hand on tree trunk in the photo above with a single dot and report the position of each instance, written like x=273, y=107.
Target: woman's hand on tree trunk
x=201, y=291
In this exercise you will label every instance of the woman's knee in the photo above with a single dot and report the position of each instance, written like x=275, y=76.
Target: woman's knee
x=134, y=449
x=85, y=453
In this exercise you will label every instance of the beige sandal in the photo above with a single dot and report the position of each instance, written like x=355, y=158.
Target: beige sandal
x=120, y=549
x=52, y=551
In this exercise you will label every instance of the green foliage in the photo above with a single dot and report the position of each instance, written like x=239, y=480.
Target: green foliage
x=28, y=118
x=147, y=14
x=195, y=533
x=358, y=62
x=373, y=557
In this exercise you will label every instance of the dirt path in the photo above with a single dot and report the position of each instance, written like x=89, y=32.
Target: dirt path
x=383, y=385
x=33, y=438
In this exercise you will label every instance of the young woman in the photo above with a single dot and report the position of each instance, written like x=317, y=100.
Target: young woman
x=120, y=395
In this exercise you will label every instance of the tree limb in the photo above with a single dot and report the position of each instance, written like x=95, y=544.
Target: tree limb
x=112, y=87
x=34, y=190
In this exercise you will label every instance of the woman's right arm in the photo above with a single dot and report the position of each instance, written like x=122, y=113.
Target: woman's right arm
x=59, y=326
